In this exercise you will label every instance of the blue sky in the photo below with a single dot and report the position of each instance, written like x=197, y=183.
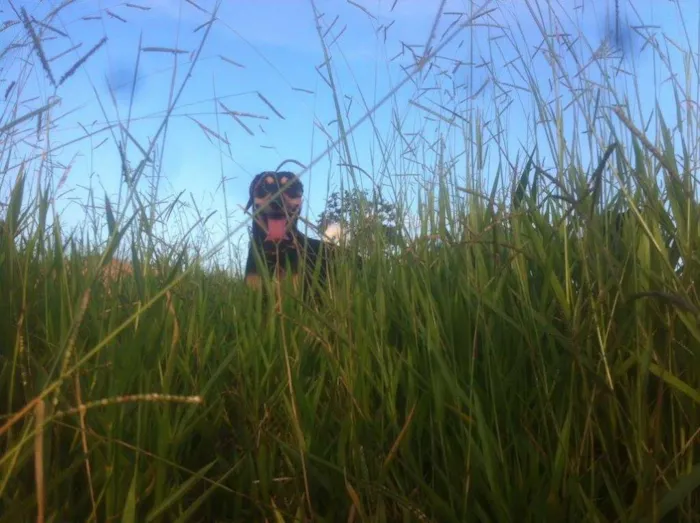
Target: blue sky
x=277, y=46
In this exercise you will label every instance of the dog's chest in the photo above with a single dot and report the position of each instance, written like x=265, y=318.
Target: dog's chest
x=280, y=272
x=281, y=259
x=294, y=260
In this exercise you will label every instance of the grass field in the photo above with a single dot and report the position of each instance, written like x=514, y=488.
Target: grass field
x=519, y=359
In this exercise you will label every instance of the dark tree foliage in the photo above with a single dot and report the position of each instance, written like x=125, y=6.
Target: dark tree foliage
x=359, y=212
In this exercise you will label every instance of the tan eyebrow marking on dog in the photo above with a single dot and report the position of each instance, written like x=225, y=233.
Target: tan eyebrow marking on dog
x=269, y=180
x=283, y=180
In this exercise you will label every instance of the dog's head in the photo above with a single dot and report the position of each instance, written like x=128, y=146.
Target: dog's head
x=276, y=199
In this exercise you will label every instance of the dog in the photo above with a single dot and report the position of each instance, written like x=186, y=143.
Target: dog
x=276, y=198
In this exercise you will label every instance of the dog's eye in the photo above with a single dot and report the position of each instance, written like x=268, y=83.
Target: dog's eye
x=294, y=191
x=294, y=188
x=261, y=190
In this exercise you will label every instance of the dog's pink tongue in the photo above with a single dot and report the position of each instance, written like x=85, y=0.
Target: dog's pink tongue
x=276, y=229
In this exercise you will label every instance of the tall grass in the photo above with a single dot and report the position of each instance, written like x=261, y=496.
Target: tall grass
x=520, y=358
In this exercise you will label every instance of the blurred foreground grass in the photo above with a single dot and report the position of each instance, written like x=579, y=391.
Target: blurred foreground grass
x=505, y=376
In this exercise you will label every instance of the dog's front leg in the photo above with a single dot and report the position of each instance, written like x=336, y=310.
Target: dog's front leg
x=253, y=281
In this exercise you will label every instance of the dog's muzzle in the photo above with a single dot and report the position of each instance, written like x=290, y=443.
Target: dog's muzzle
x=276, y=221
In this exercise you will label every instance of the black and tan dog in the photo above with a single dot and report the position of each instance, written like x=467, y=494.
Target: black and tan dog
x=276, y=199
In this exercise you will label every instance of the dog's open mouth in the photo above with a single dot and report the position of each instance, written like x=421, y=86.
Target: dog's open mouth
x=276, y=229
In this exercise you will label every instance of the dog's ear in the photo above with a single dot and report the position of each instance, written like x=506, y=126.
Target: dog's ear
x=251, y=190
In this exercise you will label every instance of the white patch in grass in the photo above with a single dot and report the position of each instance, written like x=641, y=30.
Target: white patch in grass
x=334, y=234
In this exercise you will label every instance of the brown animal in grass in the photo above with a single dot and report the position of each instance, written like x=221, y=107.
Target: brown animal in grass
x=276, y=199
